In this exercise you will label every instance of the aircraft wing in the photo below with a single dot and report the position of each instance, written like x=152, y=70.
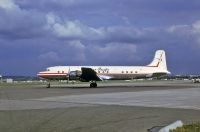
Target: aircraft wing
x=104, y=77
x=89, y=74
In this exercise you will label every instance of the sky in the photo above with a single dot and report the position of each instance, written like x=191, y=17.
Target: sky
x=35, y=34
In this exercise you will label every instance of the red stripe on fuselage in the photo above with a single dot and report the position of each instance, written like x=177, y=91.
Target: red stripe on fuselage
x=51, y=73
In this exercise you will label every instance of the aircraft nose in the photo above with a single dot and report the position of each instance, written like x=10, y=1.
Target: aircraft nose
x=40, y=74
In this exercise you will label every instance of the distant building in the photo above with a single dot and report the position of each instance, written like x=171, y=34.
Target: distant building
x=0, y=78
x=9, y=80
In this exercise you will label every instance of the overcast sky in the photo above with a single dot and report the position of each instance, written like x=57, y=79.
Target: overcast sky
x=35, y=34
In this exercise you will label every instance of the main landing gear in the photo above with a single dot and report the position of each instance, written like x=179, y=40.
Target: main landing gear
x=93, y=84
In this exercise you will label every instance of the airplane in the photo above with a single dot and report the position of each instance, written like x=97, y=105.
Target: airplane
x=156, y=68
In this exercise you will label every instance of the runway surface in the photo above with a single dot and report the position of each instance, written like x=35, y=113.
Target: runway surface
x=181, y=98
x=174, y=98
x=113, y=107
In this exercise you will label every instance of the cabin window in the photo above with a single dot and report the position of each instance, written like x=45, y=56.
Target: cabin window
x=99, y=72
x=136, y=72
x=63, y=72
x=126, y=71
x=58, y=71
x=131, y=71
x=122, y=71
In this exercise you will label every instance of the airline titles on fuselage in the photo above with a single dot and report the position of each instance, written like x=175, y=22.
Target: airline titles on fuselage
x=102, y=70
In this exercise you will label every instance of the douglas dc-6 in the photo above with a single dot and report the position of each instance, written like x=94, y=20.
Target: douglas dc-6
x=156, y=68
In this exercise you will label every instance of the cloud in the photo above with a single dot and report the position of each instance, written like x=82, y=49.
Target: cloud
x=189, y=33
x=71, y=52
x=114, y=32
x=49, y=57
x=196, y=26
x=70, y=29
x=78, y=49
x=112, y=53
x=16, y=23
x=74, y=29
x=76, y=44
x=178, y=28
x=8, y=4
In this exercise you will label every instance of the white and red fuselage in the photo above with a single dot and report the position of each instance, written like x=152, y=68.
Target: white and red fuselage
x=157, y=67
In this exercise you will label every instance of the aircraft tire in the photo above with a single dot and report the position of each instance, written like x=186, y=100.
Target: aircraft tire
x=93, y=85
x=48, y=85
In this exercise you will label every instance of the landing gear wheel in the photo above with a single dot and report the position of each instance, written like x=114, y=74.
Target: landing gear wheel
x=48, y=85
x=93, y=85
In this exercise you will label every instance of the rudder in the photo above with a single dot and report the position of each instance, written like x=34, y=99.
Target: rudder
x=159, y=60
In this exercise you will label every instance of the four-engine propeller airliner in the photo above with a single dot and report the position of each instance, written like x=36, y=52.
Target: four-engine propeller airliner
x=156, y=68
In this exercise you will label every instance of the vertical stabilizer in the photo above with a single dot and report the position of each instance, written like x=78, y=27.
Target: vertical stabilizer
x=159, y=60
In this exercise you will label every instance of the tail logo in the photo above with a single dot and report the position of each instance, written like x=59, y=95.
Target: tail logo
x=159, y=60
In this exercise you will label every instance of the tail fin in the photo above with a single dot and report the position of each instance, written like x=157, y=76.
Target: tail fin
x=159, y=60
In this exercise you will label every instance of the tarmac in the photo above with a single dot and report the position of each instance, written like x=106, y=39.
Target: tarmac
x=115, y=106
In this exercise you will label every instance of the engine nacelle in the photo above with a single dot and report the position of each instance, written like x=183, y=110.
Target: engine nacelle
x=74, y=75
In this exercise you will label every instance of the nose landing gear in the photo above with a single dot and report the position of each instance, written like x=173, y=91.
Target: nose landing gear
x=48, y=85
